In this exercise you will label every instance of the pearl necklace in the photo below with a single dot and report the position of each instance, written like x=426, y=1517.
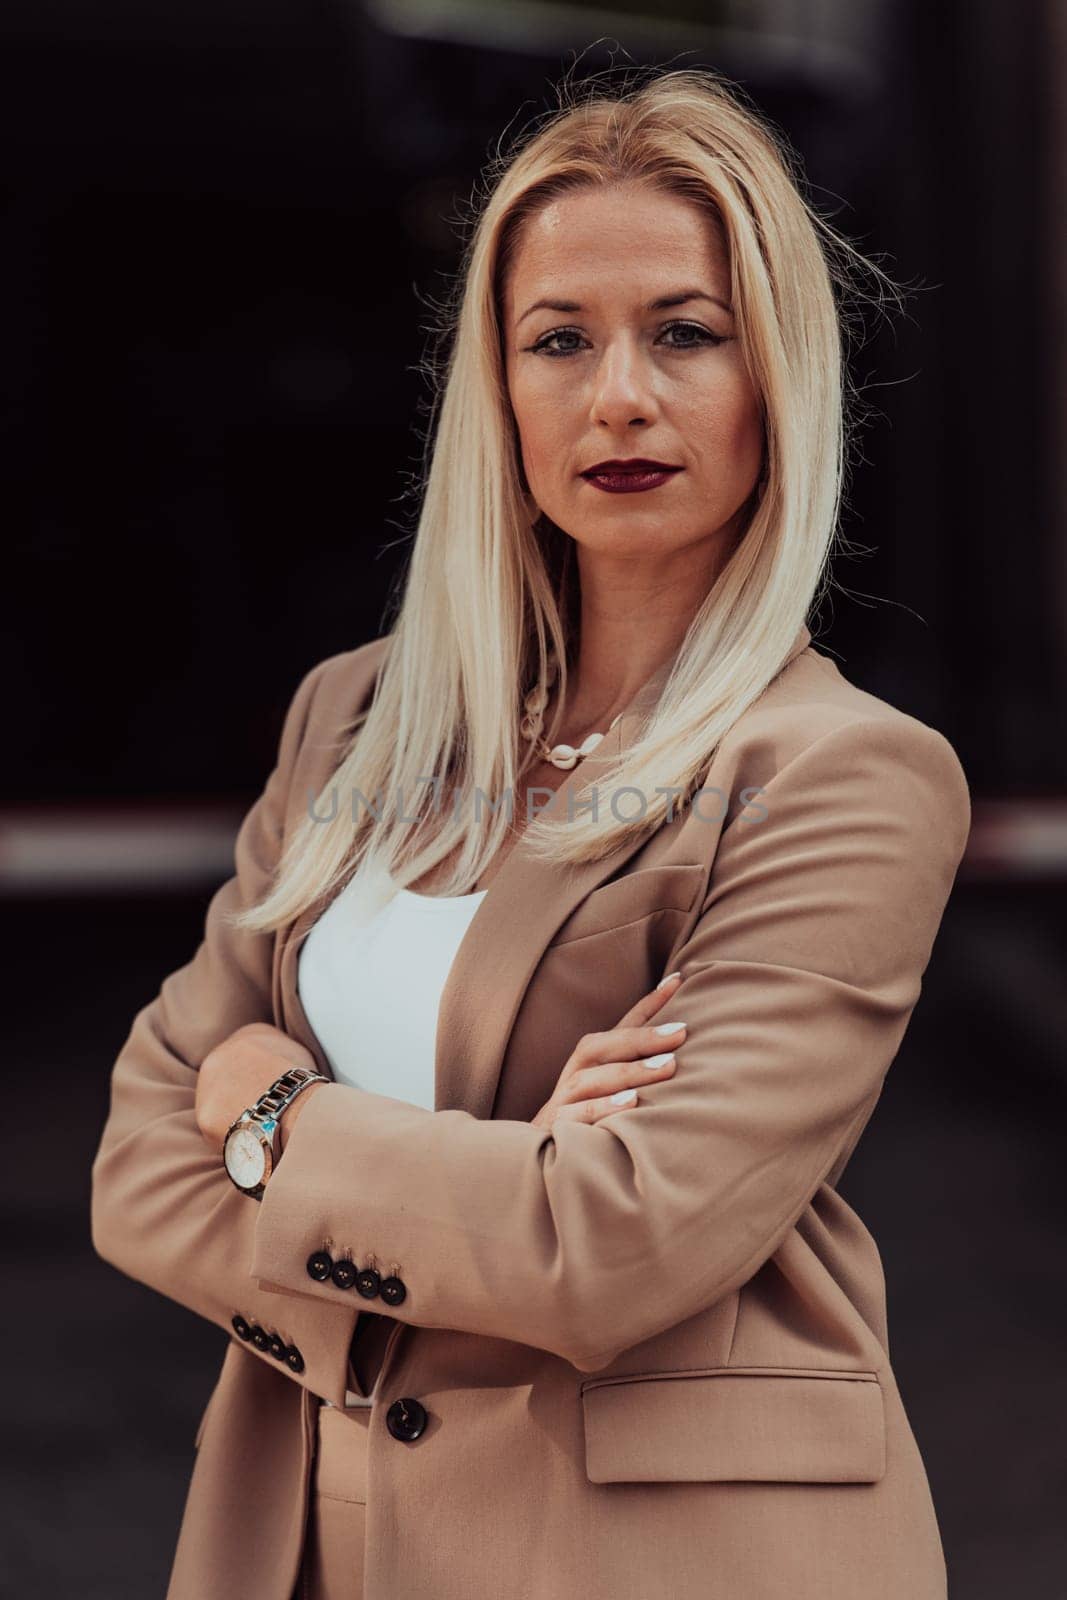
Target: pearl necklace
x=564, y=756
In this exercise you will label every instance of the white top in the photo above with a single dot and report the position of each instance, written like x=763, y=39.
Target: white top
x=370, y=976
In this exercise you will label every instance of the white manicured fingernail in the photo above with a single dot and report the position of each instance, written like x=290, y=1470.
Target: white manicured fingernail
x=653, y=1063
x=662, y=984
x=623, y=1095
x=669, y=1027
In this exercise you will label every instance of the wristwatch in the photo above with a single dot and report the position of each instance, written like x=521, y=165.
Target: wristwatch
x=251, y=1144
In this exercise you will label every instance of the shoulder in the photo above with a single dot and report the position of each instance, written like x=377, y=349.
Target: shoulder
x=814, y=732
x=328, y=699
x=337, y=687
x=347, y=675
x=811, y=701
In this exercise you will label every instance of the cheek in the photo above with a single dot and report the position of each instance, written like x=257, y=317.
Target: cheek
x=542, y=423
x=726, y=428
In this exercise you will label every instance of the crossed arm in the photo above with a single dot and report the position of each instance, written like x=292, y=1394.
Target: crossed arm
x=798, y=980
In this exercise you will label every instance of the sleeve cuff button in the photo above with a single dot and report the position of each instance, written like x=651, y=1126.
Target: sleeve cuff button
x=320, y=1265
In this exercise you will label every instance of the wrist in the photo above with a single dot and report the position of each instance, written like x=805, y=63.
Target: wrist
x=255, y=1141
x=292, y=1113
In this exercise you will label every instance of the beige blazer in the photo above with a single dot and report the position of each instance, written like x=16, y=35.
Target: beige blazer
x=651, y=1353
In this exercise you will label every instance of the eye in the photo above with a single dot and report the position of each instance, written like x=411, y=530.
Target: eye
x=705, y=336
x=542, y=347
x=704, y=339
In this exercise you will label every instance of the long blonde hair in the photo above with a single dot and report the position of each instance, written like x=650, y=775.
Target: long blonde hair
x=487, y=592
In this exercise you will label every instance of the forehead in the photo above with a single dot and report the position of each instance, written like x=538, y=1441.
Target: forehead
x=626, y=237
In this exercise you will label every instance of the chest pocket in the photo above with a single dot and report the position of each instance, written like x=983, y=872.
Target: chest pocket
x=735, y=1424
x=670, y=887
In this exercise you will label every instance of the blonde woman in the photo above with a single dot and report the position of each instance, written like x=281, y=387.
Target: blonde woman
x=503, y=1139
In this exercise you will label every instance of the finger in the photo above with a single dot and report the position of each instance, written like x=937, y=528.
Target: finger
x=594, y=1082
x=624, y=1044
x=650, y=1003
x=595, y=1110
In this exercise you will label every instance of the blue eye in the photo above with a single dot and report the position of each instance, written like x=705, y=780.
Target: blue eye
x=703, y=341
x=694, y=327
x=542, y=345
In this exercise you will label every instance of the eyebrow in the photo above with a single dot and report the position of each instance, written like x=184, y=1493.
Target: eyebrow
x=664, y=303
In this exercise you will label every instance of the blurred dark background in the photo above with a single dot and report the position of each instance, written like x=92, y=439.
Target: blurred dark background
x=222, y=228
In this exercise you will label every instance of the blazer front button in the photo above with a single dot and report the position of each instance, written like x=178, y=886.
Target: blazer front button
x=294, y=1359
x=259, y=1337
x=240, y=1327
x=406, y=1419
x=393, y=1290
x=320, y=1265
x=368, y=1283
x=344, y=1273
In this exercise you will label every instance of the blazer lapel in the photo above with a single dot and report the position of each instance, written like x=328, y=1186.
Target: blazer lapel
x=526, y=902
x=289, y=1013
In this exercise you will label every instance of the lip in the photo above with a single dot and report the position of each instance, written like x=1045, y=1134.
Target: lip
x=629, y=477
x=634, y=464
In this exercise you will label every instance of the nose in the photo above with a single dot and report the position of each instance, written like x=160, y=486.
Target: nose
x=623, y=387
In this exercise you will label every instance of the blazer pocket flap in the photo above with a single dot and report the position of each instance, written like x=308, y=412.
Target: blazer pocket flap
x=672, y=886
x=766, y=1424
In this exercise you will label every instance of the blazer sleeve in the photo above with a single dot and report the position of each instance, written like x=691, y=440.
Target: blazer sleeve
x=798, y=980
x=162, y=1208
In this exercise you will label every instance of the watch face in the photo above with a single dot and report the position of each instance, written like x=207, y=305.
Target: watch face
x=246, y=1159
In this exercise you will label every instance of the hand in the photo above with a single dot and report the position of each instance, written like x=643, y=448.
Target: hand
x=604, y=1063
x=236, y=1072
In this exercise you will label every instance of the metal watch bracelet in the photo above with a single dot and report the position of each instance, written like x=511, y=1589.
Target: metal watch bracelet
x=283, y=1091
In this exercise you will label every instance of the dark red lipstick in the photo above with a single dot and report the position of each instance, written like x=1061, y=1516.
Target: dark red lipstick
x=629, y=477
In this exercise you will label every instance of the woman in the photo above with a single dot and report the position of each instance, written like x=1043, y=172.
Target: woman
x=495, y=1330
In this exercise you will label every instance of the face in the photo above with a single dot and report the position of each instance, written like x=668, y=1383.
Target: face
x=600, y=376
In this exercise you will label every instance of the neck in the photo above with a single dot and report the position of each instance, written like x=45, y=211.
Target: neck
x=612, y=665
x=634, y=615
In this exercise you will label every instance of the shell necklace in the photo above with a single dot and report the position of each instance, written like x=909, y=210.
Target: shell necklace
x=564, y=756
